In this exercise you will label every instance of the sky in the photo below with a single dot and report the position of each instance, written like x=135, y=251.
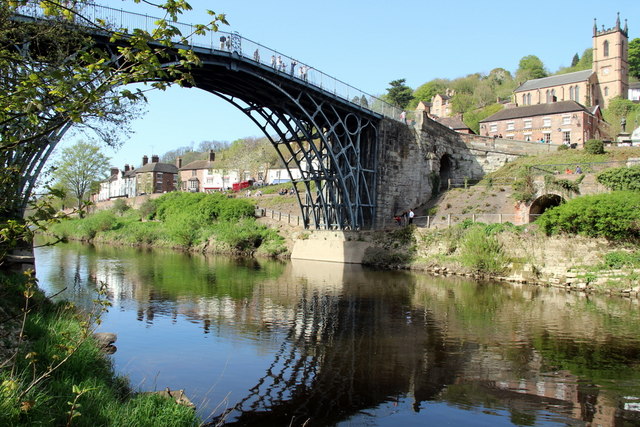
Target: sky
x=367, y=44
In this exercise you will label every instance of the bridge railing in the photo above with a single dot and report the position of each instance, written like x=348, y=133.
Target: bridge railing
x=120, y=20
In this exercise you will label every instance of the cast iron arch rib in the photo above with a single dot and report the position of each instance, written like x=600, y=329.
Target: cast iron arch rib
x=312, y=133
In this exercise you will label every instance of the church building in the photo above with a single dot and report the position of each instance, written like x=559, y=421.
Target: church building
x=567, y=108
x=607, y=78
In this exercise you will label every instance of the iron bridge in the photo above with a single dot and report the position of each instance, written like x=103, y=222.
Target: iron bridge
x=323, y=127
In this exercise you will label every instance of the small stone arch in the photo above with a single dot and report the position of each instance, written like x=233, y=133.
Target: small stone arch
x=446, y=165
x=542, y=203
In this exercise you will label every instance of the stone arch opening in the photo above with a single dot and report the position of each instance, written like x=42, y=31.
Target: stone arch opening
x=542, y=203
x=446, y=165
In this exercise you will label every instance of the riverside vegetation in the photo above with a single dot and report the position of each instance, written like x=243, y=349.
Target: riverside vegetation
x=590, y=243
x=53, y=372
x=189, y=221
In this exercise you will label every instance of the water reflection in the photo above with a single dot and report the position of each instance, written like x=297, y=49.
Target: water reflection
x=339, y=344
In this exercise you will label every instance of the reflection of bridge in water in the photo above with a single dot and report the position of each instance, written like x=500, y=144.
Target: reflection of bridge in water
x=342, y=355
x=354, y=341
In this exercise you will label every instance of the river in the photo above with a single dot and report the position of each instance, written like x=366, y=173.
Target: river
x=262, y=342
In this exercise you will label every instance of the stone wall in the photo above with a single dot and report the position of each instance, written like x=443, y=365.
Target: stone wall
x=410, y=160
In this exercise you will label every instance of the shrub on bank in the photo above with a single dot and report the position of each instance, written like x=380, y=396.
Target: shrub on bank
x=482, y=252
x=202, y=207
x=182, y=219
x=612, y=216
x=621, y=179
x=594, y=146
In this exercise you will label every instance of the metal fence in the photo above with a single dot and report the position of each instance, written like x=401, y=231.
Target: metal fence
x=451, y=219
x=279, y=216
x=233, y=43
x=572, y=168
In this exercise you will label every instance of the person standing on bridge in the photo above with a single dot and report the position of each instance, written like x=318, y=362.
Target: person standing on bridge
x=301, y=71
x=256, y=55
x=273, y=61
x=223, y=41
x=279, y=62
x=293, y=66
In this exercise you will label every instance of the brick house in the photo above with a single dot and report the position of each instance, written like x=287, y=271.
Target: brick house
x=205, y=176
x=565, y=122
x=155, y=177
x=441, y=104
x=454, y=123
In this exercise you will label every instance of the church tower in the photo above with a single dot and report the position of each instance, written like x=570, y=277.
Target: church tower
x=610, y=63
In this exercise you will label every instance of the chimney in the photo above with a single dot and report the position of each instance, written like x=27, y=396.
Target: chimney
x=145, y=160
x=212, y=156
x=126, y=168
x=179, y=162
x=155, y=158
x=114, y=171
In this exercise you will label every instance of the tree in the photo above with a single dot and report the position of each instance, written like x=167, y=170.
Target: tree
x=54, y=76
x=530, y=67
x=634, y=58
x=575, y=60
x=399, y=94
x=427, y=91
x=80, y=168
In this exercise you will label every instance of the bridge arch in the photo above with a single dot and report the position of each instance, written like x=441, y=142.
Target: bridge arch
x=331, y=142
x=542, y=203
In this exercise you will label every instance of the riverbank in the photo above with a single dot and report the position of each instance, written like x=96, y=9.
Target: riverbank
x=517, y=254
x=54, y=373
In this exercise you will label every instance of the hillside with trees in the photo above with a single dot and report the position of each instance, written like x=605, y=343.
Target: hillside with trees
x=478, y=95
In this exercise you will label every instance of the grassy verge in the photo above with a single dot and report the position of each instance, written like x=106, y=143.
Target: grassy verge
x=56, y=375
x=201, y=222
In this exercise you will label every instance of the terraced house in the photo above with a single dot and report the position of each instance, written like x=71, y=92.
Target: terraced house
x=155, y=177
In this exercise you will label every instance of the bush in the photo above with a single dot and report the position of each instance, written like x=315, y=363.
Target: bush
x=619, y=259
x=120, y=206
x=563, y=147
x=612, y=216
x=148, y=209
x=482, y=252
x=594, y=146
x=621, y=179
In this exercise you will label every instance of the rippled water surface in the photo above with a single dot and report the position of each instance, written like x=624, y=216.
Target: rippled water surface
x=256, y=342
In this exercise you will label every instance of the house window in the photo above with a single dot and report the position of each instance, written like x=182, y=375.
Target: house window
x=571, y=95
x=548, y=93
x=566, y=137
x=527, y=136
x=493, y=128
x=527, y=123
x=547, y=137
x=606, y=91
x=511, y=126
x=576, y=93
x=566, y=120
x=193, y=172
x=605, y=46
x=546, y=122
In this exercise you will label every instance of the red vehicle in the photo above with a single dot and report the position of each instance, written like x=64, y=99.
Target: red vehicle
x=241, y=185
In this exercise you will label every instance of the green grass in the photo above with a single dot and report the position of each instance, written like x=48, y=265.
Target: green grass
x=81, y=391
x=183, y=220
x=519, y=166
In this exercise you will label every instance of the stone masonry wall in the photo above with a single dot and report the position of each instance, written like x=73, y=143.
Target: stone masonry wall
x=409, y=159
